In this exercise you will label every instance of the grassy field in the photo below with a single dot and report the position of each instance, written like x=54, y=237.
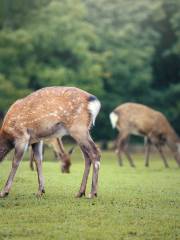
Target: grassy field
x=134, y=204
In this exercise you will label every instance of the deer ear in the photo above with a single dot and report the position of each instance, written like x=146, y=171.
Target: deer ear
x=71, y=150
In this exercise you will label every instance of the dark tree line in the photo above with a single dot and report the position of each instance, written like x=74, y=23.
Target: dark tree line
x=118, y=50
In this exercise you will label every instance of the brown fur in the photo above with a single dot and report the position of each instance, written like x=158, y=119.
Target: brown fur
x=6, y=144
x=42, y=111
x=50, y=113
x=138, y=119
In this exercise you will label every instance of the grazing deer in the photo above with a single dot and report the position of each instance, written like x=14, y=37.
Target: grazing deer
x=50, y=113
x=137, y=119
x=60, y=152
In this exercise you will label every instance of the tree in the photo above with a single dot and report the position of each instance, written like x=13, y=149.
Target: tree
x=54, y=46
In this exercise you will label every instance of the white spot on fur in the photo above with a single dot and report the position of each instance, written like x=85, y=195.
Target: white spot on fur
x=53, y=114
x=97, y=165
x=79, y=110
x=94, y=107
x=113, y=118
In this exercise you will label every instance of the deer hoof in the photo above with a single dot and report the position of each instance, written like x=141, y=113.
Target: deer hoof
x=120, y=164
x=64, y=170
x=80, y=194
x=92, y=195
x=3, y=194
x=39, y=194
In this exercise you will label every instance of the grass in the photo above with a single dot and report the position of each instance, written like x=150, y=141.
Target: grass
x=132, y=203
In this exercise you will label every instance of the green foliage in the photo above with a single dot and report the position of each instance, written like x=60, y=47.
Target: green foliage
x=142, y=38
x=118, y=50
x=8, y=92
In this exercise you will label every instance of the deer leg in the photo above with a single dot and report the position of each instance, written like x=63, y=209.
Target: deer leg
x=62, y=155
x=147, y=151
x=65, y=159
x=95, y=156
x=119, y=149
x=177, y=158
x=31, y=161
x=162, y=156
x=175, y=152
x=129, y=157
x=37, y=149
x=18, y=155
x=91, y=155
x=120, y=160
x=85, y=150
x=125, y=149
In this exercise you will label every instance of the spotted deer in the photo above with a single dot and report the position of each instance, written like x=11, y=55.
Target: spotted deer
x=62, y=155
x=137, y=119
x=51, y=112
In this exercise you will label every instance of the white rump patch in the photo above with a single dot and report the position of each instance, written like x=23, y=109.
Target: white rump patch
x=113, y=118
x=94, y=107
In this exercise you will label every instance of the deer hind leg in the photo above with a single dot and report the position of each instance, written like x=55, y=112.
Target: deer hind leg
x=95, y=155
x=91, y=156
x=123, y=146
x=147, y=144
x=85, y=151
x=119, y=150
x=37, y=149
x=18, y=155
x=162, y=155
x=177, y=158
x=175, y=151
x=31, y=160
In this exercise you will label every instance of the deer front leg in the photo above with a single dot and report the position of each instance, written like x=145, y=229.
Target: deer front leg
x=118, y=150
x=18, y=155
x=31, y=159
x=124, y=146
x=129, y=157
x=64, y=157
x=162, y=155
x=37, y=149
x=147, y=151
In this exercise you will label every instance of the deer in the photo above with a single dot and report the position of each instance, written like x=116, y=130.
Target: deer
x=57, y=145
x=51, y=112
x=137, y=119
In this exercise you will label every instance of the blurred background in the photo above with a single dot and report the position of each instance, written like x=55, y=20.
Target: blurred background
x=119, y=50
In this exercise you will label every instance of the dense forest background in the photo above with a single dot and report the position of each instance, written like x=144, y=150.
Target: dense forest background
x=119, y=50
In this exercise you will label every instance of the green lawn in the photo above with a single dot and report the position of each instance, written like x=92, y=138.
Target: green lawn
x=132, y=203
